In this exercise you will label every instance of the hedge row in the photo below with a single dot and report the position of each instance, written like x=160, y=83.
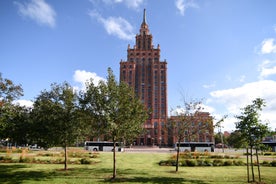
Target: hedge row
x=207, y=162
x=203, y=155
x=33, y=160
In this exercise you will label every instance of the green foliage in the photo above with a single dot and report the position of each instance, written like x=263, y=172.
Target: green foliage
x=191, y=162
x=238, y=163
x=218, y=162
x=252, y=131
x=273, y=163
x=9, y=91
x=55, y=117
x=228, y=163
x=202, y=159
x=11, y=115
x=85, y=161
x=113, y=110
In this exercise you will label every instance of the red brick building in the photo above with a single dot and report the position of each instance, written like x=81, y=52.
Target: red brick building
x=194, y=128
x=147, y=75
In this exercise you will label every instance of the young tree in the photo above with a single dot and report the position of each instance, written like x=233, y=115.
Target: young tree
x=188, y=124
x=18, y=125
x=8, y=93
x=115, y=110
x=252, y=130
x=219, y=126
x=55, y=117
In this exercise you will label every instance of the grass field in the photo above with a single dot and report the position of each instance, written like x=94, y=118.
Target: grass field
x=131, y=168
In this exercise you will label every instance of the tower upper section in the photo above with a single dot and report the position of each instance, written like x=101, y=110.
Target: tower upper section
x=143, y=43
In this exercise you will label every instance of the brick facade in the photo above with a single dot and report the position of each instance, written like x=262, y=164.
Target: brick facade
x=196, y=128
x=147, y=75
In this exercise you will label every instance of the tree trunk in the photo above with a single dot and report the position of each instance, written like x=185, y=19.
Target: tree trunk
x=177, y=156
x=247, y=165
x=259, y=172
x=114, y=160
x=252, y=164
x=65, y=157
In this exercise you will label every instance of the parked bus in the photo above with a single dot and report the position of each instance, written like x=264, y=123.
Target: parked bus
x=101, y=146
x=196, y=146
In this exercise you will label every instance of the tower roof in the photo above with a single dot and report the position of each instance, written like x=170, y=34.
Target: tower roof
x=144, y=17
x=144, y=26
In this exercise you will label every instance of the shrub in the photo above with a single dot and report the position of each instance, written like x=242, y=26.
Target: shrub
x=268, y=153
x=6, y=159
x=273, y=163
x=228, y=163
x=163, y=163
x=185, y=155
x=208, y=162
x=93, y=155
x=166, y=162
x=183, y=163
x=226, y=156
x=218, y=162
x=85, y=161
x=217, y=156
x=265, y=163
x=200, y=162
x=26, y=159
x=191, y=163
x=238, y=163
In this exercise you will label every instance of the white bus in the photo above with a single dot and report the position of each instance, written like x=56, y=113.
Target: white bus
x=195, y=146
x=101, y=146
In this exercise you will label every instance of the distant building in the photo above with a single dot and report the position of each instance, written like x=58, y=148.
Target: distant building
x=147, y=75
x=197, y=128
x=271, y=141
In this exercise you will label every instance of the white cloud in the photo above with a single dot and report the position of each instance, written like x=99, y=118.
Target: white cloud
x=242, y=78
x=116, y=26
x=180, y=110
x=39, y=11
x=267, y=68
x=182, y=5
x=207, y=86
x=237, y=98
x=26, y=103
x=268, y=46
x=134, y=4
x=82, y=77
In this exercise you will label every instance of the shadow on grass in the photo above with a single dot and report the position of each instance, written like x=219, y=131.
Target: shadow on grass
x=12, y=174
x=157, y=180
x=18, y=174
x=144, y=177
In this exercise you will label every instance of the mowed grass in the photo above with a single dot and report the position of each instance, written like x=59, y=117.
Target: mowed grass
x=131, y=168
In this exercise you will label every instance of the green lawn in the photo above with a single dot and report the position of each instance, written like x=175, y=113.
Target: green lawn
x=131, y=168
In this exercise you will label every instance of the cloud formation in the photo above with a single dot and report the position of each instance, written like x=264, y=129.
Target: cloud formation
x=236, y=98
x=267, y=68
x=134, y=4
x=82, y=77
x=182, y=5
x=116, y=26
x=39, y=11
x=26, y=103
x=268, y=46
x=207, y=86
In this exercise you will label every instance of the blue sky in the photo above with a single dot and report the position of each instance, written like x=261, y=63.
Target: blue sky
x=221, y=51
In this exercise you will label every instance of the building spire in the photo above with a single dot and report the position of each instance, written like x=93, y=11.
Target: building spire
x=144, y=30
x=144, y=17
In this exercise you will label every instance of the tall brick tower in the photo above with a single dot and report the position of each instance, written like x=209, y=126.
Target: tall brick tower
x=147, y=75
